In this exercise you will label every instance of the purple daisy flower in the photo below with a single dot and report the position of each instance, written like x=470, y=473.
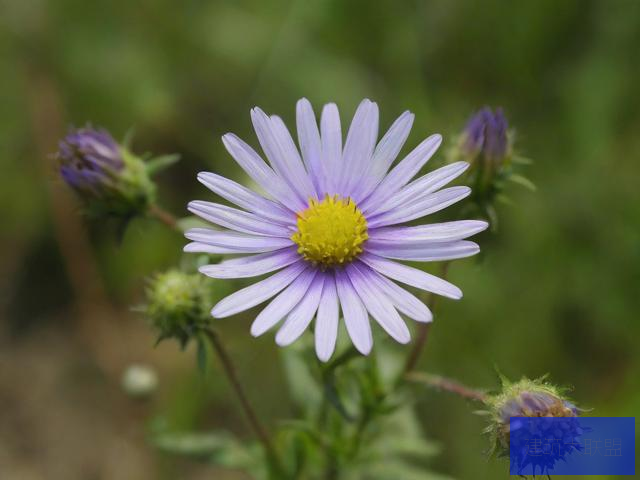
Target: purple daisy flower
x=329, y=226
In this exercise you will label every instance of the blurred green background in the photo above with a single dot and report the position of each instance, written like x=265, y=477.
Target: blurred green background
x=556, y=289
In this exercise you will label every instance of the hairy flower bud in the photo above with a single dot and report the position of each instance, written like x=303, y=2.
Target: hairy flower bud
x=106, y=176
x=487, y=144
x=526, y=398
x=177, y=304
x=486, y=135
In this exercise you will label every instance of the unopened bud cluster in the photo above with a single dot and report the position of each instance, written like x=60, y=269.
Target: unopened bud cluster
x=178, y=304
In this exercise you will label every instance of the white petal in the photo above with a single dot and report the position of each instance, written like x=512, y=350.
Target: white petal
x=280, y=150
x=359, y=146
x=430, y=204
x=301, y=316
x=238, y=242
x=252, y=266
x=246, y=199
x=403, y=300
x=283, y=303
x=310, y=144
x=355, y=314
x=197, y=247
x=238, y=220
x=423, y=235
x=331, y=138
x=411, y=276
x=385, y=153
x=434, y=252
x=326, y=331
x=260, y=172
x=378, y=305
x=403, y=172
x=257, y=293
x=418, y=189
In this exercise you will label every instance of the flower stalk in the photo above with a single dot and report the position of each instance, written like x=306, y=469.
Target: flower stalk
x=230, y=371
x=423, y=328
x=447, y=385
x=164, y=217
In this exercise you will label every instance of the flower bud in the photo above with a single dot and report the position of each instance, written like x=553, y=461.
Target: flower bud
x=526, y=398
x=178, y=304
x=486, y=136
x=487, y=144
x=106, y=176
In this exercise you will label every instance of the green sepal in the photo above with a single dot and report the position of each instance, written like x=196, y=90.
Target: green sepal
x=160, y=163
x=523, y=181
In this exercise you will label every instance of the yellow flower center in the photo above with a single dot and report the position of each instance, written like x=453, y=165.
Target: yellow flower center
x=331, y=231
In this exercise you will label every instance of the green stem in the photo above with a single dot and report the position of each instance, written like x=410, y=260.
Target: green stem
x=164, y=217
x=448, y=385
x=252, y=417
x=228, y=367
x=423, y=330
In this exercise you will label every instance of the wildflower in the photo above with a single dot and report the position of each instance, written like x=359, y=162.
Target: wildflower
x=177, y=304
x=105, y=175
x=330, y=226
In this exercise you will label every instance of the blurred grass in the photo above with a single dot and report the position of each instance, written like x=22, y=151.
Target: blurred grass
x=556, y=290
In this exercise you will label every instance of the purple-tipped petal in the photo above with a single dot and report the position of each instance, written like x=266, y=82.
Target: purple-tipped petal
x=197, y=247
x=378, y=305
x=411, y=276
x=359, y=146
x=278, y=146
x=418, y=189
x=257, y=293
x=260, y=172
x=247, y=199
x=310, y=144
x=239, y=242
x=326, y=331
x=331, y=138
x=355, y=315
x=420, y=208
x=301, y=316
x=404, y=301
x=237, y=220
x=252, y=266
x=427, y=234
x=435, y=252
x=404, y=171
x=385, y=153
x=283, y=303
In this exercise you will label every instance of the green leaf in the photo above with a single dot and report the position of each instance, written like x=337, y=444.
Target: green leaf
x=128, y=137
x=157, y=164
x=303, y=387
x=518, y=160
x=191, y=221
x=191, y=443
x=333, y=396
x=503, y=199
x=203, y=354
x=525, y=182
